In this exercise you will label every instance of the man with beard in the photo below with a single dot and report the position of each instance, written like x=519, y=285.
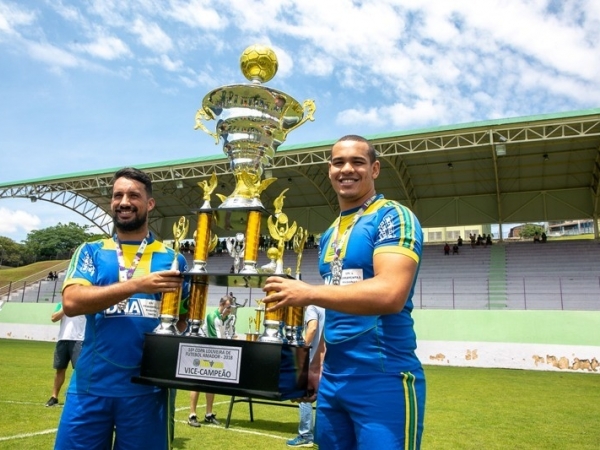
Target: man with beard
x=370, y=386
x=118, y=283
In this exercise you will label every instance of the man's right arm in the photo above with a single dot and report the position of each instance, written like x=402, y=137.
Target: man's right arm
x=84, y=299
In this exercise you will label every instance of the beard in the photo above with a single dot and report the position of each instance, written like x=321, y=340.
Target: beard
x=134, y=224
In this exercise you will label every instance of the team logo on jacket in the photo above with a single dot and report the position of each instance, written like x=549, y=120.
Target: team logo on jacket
x=141, y=307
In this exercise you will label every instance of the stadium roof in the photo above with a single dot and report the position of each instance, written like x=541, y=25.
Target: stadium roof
x=526, y=169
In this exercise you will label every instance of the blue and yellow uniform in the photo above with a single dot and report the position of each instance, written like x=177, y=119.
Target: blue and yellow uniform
x=112, y=353
x=372, y=380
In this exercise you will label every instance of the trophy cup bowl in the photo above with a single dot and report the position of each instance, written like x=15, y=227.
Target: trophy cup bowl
x=253, y=121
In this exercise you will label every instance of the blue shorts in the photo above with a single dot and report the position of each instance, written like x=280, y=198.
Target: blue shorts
x=89, y=422
x=367, y=411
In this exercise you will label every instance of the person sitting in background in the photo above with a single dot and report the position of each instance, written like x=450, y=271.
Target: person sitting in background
x=446, y=249
x=455, y=249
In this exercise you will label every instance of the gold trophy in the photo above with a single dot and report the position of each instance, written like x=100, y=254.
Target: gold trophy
x=169, y=307
x=199, y=296
x=202, y=234
x=282, y=231
x=295, y=314
x=253, y=120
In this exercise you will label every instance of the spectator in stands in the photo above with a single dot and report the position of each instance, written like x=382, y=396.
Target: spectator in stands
x=368, y=382
x=544, y=237
x=446, y=249
x=50, y=276
x=455, y=249
x=459, y=242
x=488, y=240
x=472, y=239
x=67, y=349
x=536, y=238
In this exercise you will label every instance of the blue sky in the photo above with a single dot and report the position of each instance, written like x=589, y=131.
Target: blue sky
x=109, y=83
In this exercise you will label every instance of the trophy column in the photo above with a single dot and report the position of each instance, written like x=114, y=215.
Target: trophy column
x=169, y=307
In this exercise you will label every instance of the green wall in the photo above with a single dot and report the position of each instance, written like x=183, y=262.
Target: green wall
x=541, y=327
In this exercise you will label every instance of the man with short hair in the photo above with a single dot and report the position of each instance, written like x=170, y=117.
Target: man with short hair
x=213, y=327
x=118, y=284
x=67, y=349
x=366, y=378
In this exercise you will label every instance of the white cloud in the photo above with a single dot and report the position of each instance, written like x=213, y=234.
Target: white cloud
x=199, y=13
x=105, y=47
x=52, y=55
x=12, y=17
x=152, y=36
x=17, y=223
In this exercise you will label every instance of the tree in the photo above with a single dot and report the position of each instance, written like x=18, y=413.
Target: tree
x=528, y=230
x=56, y=242
x=11, y=253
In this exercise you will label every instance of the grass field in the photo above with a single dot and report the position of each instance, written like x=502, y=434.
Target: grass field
x=466, y=409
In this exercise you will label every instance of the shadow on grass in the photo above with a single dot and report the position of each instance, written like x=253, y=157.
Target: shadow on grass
x=268, y=426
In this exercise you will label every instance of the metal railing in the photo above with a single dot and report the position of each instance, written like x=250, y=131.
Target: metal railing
x=534, y=292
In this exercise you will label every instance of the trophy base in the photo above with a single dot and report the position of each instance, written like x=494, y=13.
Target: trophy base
x=272, y=332
x=199, y=267
x=241, y=202
x=195, y=329
x=167, y=326
x=225, y=366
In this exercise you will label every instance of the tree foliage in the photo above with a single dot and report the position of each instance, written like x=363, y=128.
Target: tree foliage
x=11, y=253
x=528, y=230
x=56, y=242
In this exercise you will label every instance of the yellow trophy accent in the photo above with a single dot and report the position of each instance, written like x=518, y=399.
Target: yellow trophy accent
x=309, y=109
x=259, y=63
x=205, y=114
x=299, y=242
x=169, y=307
x=280, y=230
x=207, y=188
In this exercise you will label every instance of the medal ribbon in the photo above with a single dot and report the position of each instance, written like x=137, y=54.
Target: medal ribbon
x=337, y=245
x=124, y=273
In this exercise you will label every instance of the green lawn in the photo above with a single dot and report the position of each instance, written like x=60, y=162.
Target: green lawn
x=466, y=409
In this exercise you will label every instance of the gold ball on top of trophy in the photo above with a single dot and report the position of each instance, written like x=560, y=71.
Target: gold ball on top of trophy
x=259, y=63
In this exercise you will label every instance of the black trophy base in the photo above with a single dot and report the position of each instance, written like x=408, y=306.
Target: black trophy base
x=271, y=371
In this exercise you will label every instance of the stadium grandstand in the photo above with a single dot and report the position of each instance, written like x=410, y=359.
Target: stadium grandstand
x=510, y=304
x=529, y=169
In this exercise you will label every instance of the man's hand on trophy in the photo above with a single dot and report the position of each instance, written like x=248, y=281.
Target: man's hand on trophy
x=163, y=281
x=284, y=292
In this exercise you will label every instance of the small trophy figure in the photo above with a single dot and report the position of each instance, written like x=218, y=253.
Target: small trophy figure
x=235, y=247
x=295, y=314
x=272, y=254
x=202, y=236
x=299, y=242
x=169, y=307
x=280, y=230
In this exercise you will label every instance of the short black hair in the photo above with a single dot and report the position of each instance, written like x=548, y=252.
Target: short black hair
x=131, y=173
x=371, y=152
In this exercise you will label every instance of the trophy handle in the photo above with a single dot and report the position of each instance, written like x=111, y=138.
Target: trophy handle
x=203, y=114
x=309, y=109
